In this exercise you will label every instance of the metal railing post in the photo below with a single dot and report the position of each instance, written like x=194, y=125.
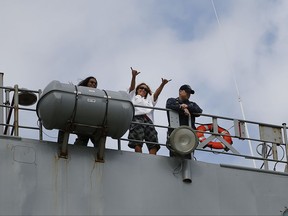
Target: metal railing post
x=119, y=144
x=265, y=156
x=1, y=102
x=286, y=145
x=40, y=123
x=7, y=111
x=16, y=111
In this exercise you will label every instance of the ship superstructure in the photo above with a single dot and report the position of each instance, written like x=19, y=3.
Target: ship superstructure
x=43, y=177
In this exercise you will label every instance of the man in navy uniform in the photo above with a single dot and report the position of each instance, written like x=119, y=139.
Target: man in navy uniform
x=185, y=108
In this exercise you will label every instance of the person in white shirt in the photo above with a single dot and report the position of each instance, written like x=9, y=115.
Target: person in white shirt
x=143, y=96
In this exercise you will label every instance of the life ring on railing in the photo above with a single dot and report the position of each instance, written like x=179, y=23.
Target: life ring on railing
x=212, y=144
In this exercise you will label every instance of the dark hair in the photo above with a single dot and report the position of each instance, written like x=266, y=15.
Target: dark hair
x=85, y=81
x=149, y=90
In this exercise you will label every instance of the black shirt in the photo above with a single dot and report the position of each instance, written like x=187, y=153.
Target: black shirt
x=194, y=109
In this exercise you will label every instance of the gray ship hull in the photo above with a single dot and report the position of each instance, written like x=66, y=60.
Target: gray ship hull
x=35, y=181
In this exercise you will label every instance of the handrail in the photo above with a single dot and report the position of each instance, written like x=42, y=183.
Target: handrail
x=281, y=130
x=280, y=141
x=14, y=105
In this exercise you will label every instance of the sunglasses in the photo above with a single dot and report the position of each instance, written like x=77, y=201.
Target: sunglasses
x=143, y=88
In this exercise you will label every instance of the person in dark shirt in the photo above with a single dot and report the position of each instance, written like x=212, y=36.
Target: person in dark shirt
x=82, y=139
x=185, y=108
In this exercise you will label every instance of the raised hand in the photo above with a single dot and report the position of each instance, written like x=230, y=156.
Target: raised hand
x=134, y=72
x=165, y=81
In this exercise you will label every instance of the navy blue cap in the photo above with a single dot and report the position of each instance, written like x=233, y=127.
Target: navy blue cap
x=187, y=88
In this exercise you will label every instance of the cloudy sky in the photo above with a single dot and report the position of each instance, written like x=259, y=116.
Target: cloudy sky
x=222, y=48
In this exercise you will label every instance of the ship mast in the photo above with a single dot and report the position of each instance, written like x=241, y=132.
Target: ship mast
x=236, y=85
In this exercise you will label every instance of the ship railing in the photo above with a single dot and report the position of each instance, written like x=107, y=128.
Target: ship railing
x=268, y=144
x=268, y=141
x=20, y=100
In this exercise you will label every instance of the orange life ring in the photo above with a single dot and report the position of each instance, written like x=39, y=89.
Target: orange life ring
x=212, y=144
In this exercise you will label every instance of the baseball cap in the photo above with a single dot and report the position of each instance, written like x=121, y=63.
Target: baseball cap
x=187, y=88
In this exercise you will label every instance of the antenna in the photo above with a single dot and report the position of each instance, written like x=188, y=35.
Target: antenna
x=236, y=85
